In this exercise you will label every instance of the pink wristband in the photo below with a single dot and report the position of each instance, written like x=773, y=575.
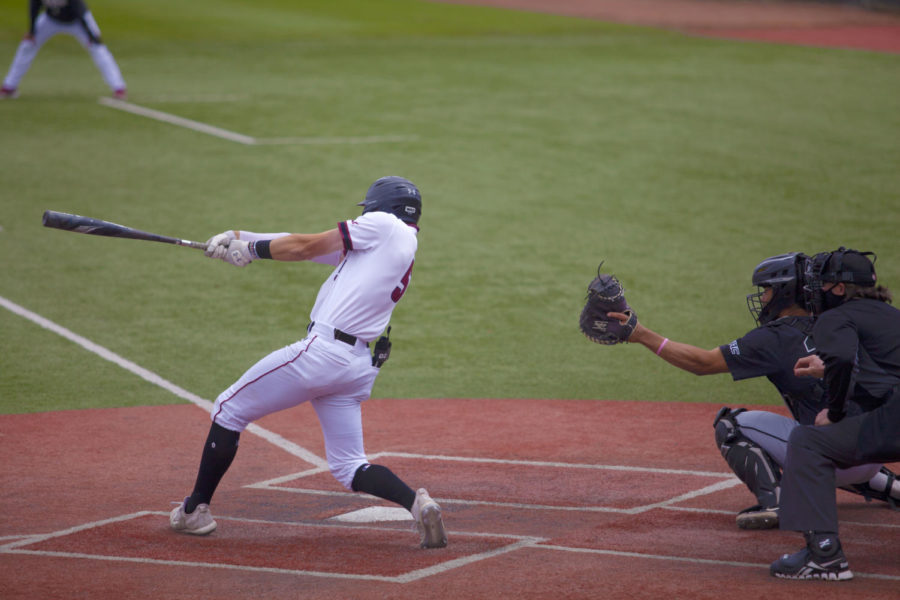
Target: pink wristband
x=661, y=346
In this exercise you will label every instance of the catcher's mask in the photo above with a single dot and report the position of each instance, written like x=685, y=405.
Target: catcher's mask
x=394, y=195
x=783, y=273
x=839, y=266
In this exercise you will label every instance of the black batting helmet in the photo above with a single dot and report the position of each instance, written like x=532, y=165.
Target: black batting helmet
x=784, y=274
x=394, y=195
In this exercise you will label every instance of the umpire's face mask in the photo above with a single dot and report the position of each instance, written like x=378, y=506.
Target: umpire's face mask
x=830, y=299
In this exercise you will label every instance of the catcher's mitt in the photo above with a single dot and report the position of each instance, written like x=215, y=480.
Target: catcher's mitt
x=605, y=294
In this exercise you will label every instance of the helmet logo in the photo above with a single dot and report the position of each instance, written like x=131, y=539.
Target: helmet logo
x=410, y=210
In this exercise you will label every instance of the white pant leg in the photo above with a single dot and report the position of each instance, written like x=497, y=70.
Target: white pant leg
x=272, y=384
x=771, y=431
x=101, y=55
x=44, y=29
x=768, y=430
x=336, y=377
x=25, y=54
x=341, y=422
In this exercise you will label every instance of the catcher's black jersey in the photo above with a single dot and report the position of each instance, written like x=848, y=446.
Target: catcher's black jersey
x=773, y=350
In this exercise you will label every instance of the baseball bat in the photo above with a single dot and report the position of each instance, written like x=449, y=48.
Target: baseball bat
x=79, y=224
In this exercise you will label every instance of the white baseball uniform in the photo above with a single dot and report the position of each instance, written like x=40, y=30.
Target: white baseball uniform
x=326, y=368
x=76, y=21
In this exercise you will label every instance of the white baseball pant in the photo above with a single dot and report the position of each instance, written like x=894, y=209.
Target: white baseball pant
x=44, y=29
x=332, y=375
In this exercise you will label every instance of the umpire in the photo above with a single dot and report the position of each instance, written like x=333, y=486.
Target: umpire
x=857, y=337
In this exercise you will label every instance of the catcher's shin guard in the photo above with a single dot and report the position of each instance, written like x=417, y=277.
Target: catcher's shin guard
x=881, y=487
x=749, y=462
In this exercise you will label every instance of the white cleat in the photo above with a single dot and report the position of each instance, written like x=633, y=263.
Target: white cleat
x=199, y=522
x=427, y=514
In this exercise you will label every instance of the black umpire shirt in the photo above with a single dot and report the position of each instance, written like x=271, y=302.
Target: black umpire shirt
x=859, y=341
x=772, y=350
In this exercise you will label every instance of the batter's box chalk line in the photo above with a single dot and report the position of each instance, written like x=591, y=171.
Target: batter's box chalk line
x=726, y=480
x=517, y=542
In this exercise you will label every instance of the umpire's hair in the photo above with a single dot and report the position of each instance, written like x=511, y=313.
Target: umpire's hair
x=878, y=292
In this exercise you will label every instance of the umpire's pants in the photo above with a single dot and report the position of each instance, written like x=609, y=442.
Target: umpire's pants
x=808, y=487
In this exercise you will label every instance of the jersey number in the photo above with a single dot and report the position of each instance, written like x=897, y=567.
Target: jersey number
x=404, y=283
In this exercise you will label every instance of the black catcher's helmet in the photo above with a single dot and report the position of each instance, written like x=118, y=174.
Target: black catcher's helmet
x=840, y=266
x=784, y=274
x=394, y=195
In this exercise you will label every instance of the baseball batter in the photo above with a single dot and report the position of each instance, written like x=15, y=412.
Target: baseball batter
x=754, y=443
x=331, y=368
x=71, y=17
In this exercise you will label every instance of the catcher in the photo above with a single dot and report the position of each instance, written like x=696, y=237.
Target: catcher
x=753, y=443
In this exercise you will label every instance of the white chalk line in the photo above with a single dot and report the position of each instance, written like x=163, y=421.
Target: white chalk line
x=248, y=140
x=520, y=542
x=270, y=436
x=264, y=485
x=556, y=465
x=687, y=559
x=517, y=543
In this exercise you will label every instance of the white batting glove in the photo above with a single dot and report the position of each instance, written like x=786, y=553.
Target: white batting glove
x=237, y=253
x=220, y=240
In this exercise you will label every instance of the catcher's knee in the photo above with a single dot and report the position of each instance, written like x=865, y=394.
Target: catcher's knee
x=726, y=425
x=749, y=461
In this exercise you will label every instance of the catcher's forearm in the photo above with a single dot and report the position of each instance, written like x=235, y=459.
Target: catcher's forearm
x=684, y=356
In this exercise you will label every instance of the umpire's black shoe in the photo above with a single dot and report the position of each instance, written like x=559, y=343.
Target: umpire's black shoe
x=807, y=565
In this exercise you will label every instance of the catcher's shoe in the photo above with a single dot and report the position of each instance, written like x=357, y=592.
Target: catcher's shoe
x=429, y=522
x=758, y=517
x=6, y=92
x=199, y=522
x=805, y=565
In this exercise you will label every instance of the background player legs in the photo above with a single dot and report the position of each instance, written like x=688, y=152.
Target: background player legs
x=44, y=29
x=25, y=54
x=101, y=56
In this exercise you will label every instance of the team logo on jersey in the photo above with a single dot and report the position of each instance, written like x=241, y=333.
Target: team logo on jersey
x=733, y=348
x=808, y=345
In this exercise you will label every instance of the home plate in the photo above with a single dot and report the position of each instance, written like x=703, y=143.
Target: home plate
x=374, y=514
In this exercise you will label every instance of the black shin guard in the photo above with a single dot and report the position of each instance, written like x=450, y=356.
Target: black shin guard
x=381, y=481
x=218, y=452
x=748, y=461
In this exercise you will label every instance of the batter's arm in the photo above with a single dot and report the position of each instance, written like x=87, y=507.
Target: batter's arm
x=684, y=356
x=305, y=246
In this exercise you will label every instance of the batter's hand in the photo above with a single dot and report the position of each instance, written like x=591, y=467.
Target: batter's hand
x=810, y=366
x=215, y=246
x=238, y=253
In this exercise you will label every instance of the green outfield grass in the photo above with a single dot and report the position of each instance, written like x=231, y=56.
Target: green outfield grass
x=541, y=145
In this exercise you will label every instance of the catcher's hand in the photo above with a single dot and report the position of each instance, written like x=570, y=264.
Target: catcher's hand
x=606, y=295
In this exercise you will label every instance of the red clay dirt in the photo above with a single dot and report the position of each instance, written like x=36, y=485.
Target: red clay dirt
x=781, y=21
x=536, y=497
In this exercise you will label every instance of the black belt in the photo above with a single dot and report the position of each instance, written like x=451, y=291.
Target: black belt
x=344, y=337
x=339, y=335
